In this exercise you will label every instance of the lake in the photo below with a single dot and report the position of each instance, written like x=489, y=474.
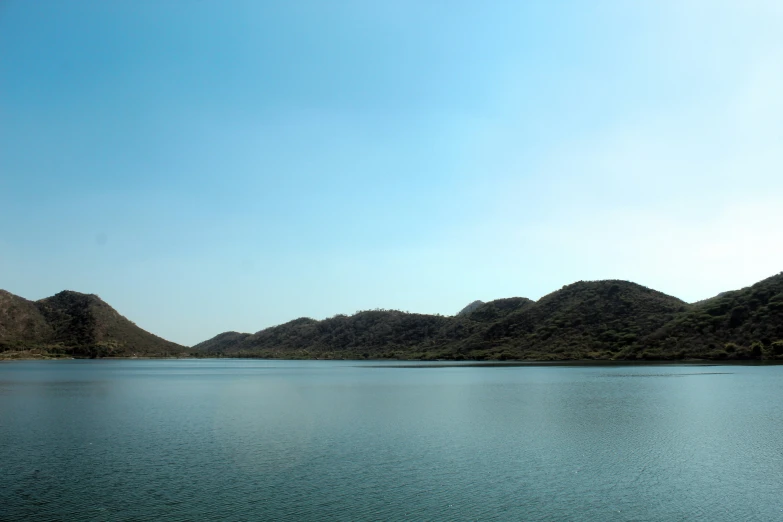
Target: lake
x=341, y=440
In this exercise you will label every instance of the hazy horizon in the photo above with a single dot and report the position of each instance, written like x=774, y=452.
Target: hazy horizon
x=206, y=167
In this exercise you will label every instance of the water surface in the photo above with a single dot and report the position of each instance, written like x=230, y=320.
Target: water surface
x=340, y=440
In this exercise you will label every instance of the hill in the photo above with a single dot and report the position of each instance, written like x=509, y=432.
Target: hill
x=470, y=307
x=372, y=333
x=225, y=342
x=596, y=319
x=601, y=319
x=366, y=334
x=20, y=320
x=741, y=324
x=75, y=324
x=611, y=319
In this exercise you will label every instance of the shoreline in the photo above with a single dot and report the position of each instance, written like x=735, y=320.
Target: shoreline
x=422, y=363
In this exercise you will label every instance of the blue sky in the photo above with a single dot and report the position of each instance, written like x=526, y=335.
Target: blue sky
x=207, y=166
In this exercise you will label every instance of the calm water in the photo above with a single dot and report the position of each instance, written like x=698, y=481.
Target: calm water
x=317, y=440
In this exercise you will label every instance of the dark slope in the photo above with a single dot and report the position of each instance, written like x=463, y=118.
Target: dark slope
x=367, y=334
x=225, y=342
x=601, y=319
x=21, y=321
x=742, y=324
x=71, y=323
x=597, y=319
x=469, y=308
x=584, y=320
x=588, y=319
x=498, y=309
x=377, y=333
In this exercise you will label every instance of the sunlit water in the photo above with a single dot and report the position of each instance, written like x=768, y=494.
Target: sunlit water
x=316, y=440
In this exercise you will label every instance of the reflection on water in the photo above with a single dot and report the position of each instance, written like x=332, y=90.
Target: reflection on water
x=664, y=374
x=319, y=440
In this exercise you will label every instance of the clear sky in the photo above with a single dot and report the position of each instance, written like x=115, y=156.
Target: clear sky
x=211, y=165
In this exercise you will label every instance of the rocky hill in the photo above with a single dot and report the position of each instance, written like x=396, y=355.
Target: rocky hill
x=373, y=333
x=596, y=319
x=21, y=321
x=742, y=324
x=75, y=324
x=226, y=342
x=611, y=319
x=472, y=306
x=585, y=320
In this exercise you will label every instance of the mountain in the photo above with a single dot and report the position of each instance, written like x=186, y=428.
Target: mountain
x=472, y=306
x=610, y=319
x=594, y=319
x=71, y=323
x=497, y=309
x=225, y=342
x=21, y=320
x=742, y=324
x=372, y=333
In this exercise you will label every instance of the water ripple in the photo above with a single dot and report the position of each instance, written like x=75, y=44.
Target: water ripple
x=118, y=442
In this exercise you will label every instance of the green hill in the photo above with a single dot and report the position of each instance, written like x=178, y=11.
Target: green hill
x=74, y=324
x=601, y=319
x=596, y=319
x=742, y=324
x=21, y=321
x=470, y=307
x=611, y=319
x=226, y=342
x=375, y=333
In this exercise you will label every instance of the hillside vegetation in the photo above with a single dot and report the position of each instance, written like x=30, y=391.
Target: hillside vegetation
x=612, y=319
x=605, y=320
x=73, y=324
x=742, y=324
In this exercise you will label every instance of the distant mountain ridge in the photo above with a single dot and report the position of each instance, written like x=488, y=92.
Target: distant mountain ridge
x=609, y=319
x=76, y=324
